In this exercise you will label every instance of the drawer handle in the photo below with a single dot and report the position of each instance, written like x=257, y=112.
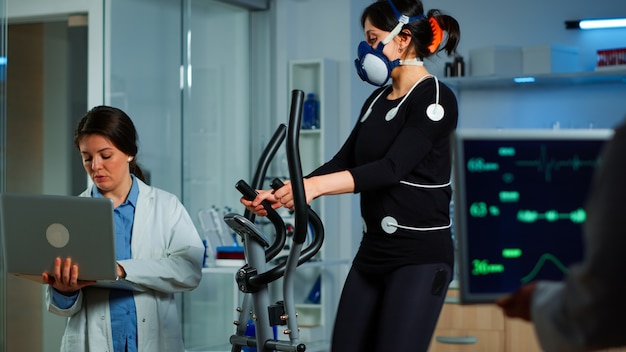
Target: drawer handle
x=457, y=340
x=451, y=300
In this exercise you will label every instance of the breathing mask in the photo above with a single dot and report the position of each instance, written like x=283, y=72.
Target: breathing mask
x=372, y=65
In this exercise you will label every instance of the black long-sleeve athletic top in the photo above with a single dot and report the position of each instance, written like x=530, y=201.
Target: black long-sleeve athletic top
x=401, y=167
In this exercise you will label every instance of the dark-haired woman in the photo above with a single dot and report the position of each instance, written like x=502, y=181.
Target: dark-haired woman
x=398, y=158
x=157, y=247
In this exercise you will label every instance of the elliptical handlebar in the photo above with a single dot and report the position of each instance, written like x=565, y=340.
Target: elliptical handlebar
x=279, y=225
x=264, y=161
x=253, y=278
x=303, y=214
x=306, y=254
x=301, y=207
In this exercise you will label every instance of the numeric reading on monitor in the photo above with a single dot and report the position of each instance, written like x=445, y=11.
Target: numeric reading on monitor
x=524, y=203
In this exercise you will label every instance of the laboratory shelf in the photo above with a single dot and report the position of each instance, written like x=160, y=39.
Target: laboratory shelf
x=617, y=76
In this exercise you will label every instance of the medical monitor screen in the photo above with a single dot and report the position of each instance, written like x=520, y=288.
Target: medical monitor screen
x=519, y=206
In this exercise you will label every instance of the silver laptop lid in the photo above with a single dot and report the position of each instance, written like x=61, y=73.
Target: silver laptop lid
x=36, y=229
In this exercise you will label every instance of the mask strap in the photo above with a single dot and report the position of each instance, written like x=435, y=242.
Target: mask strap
x=412, y=62
x=402, y=20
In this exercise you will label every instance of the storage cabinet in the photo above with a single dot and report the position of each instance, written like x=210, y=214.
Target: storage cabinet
x=318, y=76
x=520, y=336
x=482, y=328
x=468, y=328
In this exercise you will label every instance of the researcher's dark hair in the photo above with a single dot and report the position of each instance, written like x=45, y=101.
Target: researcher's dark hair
x=115, y=125
x=381, y=15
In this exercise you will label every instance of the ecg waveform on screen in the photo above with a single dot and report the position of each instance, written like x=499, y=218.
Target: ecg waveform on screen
x=546, y=257
x=522, y=208
x=547, y=164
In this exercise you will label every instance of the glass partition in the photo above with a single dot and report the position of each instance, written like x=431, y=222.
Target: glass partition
x=3, y=63
x=142, y=77
x=180, y=69
x=215, y=131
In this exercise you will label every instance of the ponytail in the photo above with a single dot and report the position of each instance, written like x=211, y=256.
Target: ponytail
x=451, y=27
x=136, y=170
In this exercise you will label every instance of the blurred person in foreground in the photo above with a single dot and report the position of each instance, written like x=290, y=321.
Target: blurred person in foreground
x=585, y=312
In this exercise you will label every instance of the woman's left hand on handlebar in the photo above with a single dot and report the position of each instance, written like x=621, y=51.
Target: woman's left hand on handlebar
x=255, y=205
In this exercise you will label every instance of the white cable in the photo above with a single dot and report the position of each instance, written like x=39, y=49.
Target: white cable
x=422, y=228
x=389, y=224
x=426, y=186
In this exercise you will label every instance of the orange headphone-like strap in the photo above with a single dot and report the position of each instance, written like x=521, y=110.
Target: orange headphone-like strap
x=437, y=35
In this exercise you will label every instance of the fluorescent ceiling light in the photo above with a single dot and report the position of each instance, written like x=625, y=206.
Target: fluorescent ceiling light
x=596, y=23
x=524, y=79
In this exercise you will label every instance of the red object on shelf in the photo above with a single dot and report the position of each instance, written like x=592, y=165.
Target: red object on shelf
x=229, y=252
x=611, y=57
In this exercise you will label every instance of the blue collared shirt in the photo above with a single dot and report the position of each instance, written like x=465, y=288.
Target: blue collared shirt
x=122, y=304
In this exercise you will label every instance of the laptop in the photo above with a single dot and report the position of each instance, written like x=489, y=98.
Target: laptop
x=519, y=206
x=36, y=229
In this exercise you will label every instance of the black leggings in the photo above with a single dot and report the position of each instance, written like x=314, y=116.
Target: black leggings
x=397, y=311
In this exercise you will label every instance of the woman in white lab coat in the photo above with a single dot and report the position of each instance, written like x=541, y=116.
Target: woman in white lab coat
x=157, y=247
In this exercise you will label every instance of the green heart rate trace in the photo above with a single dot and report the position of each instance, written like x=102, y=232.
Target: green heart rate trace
x=544, y=258
x=547, y=165
x=577, y=216
x=543, y=164
x=484, y=267
x=481, y=210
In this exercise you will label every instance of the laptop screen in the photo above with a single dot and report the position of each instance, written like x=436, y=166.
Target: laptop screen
x=519, y=198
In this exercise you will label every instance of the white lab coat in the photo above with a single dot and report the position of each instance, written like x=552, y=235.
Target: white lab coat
x=167, y=255
x=586, y=311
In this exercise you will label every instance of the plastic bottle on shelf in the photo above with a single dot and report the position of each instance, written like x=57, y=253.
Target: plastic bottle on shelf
x=316, y=292
x=250, y=332
x=311, y=112
x=458, y=66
